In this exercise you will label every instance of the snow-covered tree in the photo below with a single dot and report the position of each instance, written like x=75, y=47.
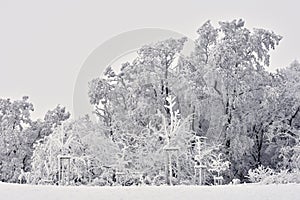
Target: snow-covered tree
x=90, y=150
x=223, y=84
x=237, y=58
x=14, y=119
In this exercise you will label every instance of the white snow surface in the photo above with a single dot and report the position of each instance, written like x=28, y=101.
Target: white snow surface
x=240, y=192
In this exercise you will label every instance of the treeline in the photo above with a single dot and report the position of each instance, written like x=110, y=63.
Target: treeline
x=222, y=91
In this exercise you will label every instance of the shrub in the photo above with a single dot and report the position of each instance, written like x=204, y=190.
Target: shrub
x=266, y=175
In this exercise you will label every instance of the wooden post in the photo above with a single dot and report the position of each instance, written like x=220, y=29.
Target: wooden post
x=119, y=176
x=200, y=171
x=218, y=180
x=89, y=171
x=200, y=168
x=69, y=166
x=170, y=152
x=61, y=169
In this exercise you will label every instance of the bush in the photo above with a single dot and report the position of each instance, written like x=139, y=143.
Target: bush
x=260, y=174
x=266, y=175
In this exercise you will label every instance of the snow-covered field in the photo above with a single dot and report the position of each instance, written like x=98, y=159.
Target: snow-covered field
x=240, y=192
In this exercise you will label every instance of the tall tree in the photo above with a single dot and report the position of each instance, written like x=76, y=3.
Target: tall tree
x=14, y=118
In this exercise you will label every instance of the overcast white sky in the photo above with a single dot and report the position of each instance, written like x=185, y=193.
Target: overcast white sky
x=44, y=43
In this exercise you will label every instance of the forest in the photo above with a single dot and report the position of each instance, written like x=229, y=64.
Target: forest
x=216, y=116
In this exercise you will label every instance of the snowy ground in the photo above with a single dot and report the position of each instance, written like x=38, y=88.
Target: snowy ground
x=240, y=192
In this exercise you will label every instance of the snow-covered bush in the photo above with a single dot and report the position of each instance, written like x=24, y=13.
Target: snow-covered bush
x=158, y=180
x=107, y=178
x=235, y=181
x=266, y=175
x=260, y=174
x=218, y=164
x=285, y=176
